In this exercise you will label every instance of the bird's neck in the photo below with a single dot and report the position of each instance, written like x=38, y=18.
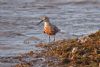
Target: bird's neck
x=47, y=24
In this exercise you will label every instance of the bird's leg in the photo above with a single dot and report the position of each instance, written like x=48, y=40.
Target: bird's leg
x=54, y=38
x=49, y=38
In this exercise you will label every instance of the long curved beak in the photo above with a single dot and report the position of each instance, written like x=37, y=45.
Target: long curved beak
x=40, y=22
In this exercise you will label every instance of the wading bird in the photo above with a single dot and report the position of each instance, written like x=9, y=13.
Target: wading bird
x=49, y=28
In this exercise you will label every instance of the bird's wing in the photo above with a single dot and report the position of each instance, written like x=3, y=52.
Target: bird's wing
x=56, y=28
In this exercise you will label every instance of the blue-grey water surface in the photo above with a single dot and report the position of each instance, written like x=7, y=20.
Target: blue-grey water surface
x=18, y=19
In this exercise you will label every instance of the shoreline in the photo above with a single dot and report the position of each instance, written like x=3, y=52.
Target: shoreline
x=80, y=52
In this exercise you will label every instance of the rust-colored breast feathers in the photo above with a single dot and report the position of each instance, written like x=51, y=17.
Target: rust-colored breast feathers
x=50, y=30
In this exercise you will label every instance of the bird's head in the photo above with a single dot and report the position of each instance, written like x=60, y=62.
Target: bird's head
x=44, y=19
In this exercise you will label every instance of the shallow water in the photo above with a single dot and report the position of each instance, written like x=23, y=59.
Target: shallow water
x=18, y=19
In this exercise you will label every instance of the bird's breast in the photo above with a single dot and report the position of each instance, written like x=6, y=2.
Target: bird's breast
x=49, y=30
